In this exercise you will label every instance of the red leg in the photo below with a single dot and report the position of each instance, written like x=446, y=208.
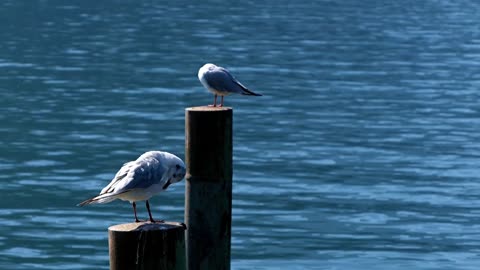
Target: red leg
x=135, y=211
x=150, y=214
x=214, y=102
x=221, y=105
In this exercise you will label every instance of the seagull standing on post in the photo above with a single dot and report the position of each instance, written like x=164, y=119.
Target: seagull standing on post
x=220, y=82
x=140, y=179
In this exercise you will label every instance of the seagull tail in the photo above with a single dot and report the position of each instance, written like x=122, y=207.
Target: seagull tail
x=103, y=198
x=249, y=93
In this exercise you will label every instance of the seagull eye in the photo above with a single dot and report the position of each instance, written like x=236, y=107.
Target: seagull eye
x=177, y=166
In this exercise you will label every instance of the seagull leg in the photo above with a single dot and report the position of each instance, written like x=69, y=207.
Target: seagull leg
x=135, y=211
x=150, y=214
x=221, y=105
x=214, y=102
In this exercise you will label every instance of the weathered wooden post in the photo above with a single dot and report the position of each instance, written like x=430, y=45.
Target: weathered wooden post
x=147, y=246
x=208, y=188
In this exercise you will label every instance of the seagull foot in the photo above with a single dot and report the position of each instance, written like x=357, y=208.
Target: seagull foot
x=212, y=105
x=145, y=220
x=157, y=221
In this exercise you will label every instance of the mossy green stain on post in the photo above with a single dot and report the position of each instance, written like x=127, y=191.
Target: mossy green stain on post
x=208, y=189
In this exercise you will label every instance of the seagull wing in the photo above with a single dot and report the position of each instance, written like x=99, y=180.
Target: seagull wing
x=222, y=80
x=146, y=173
x=141, y=173
x=118, y=178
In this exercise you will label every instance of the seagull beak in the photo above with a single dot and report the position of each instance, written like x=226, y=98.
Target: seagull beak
x=167, y=184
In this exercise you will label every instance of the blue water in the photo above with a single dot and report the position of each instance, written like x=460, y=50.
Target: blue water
x=364, y=151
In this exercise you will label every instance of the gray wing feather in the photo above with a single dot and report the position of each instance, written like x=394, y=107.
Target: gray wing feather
x=137, y=174
x=146, y=173
x=121, y=174
x=220, y=79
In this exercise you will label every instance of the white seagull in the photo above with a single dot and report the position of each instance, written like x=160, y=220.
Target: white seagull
x=140, y=179
x=221, y=82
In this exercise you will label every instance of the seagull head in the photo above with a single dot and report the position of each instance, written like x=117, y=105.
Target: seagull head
x=209, y=66
x=205, y=68
x=178, y=169
x=179, y=172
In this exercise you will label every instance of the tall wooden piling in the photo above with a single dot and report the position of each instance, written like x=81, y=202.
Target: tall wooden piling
x=147, y=246
x=208, y=189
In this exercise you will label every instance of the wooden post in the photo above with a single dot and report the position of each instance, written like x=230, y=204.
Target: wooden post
x=208, y=188
x=147, y=246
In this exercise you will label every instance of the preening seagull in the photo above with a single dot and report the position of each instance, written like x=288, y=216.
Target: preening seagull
x=140, y=179
x=221, y=82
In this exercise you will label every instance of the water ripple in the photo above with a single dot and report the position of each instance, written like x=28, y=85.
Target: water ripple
x=362, y=153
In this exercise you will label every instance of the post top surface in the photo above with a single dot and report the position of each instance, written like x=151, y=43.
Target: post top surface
x=208, y=109
x=146, y=226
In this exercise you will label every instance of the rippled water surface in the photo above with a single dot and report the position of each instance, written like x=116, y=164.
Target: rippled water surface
x=364, y=151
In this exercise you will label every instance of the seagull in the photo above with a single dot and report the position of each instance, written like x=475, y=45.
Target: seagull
x=142, y=178
x=221, y=82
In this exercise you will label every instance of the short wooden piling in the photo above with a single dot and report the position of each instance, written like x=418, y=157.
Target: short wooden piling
x=147, y=246
x=208, y=188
